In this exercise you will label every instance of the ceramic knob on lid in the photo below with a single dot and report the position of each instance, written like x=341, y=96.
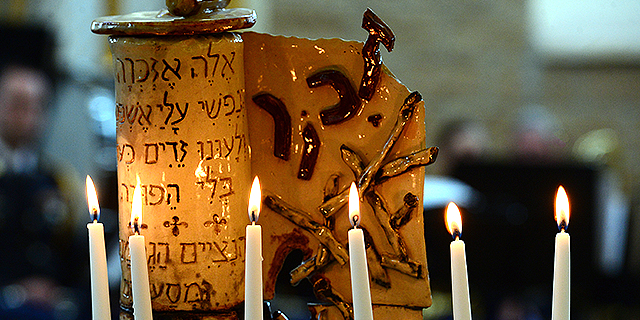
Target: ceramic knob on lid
x=182, y=128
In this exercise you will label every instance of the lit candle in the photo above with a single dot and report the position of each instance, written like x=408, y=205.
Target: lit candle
x=360, y=290
x=253, y=300
x=562, y=263
x=139, y=269
x=459, y=278
x=100, y=308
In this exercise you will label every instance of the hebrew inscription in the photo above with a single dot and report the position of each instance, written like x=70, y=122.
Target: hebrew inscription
x=182, y=129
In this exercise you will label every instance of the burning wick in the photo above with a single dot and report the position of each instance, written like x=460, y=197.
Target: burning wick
x=92, y=200
x=255, y=201
x=562, y=209
x=355, y=221
x=454, y=221
x=136, y=208
x=354, y=206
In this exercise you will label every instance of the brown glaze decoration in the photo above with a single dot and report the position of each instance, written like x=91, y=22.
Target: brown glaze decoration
x=294, y=240
x=309, y=152
x=281, y=123
x=379, y=32
x=375, y=119
x=349, y=102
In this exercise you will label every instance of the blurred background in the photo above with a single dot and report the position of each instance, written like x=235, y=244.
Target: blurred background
x=520, y=96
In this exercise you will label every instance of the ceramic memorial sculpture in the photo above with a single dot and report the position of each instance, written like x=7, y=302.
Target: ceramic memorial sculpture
x=201, y=109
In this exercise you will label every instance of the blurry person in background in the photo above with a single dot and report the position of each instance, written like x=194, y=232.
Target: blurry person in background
x=42, y=265
x=538, y=136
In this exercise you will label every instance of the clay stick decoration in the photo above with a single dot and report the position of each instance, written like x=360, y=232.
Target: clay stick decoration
x=378, y=275
x=401, y=165
x=321, y=259
x=303, y=220
x=401, y=216
x=405, y=114
x=381, y=213
x=323, y=290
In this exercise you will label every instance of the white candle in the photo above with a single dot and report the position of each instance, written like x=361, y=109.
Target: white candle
x=100, y=308
x=360, y=290
x=139, y=270
x=561, y=301
x=459, y=279
x=253, y=299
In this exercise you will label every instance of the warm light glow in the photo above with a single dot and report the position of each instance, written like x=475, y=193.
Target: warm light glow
x=454, y=220
x=255, y=200
x=562, y=209
x=354, y=205
x=92, y=200
x=136, y=207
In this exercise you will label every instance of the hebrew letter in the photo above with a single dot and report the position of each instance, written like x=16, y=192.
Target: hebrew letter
x=167, y=67
x=281, y=123
x=349, y=103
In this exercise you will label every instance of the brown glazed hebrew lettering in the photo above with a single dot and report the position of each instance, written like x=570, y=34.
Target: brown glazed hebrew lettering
x=122, y=154
x=309, y=152
x=175, y=70
x=349, y=102
x=181, y=113
x=379, y=32
x=281, y=123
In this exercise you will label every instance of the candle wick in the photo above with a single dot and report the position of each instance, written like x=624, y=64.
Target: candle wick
x=136, y=227
x=95, y=215
x=253, y=216
x=355, y=220
x=456, y=234
x=562, y=226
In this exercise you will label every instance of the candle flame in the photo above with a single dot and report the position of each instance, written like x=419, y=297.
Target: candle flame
x=255, y=200
x=562, y=209
x=136, y=207
x=454, y=220
x=354, y=205
x=92, y=199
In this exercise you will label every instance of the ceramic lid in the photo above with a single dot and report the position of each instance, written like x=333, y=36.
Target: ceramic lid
x=200, y=17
